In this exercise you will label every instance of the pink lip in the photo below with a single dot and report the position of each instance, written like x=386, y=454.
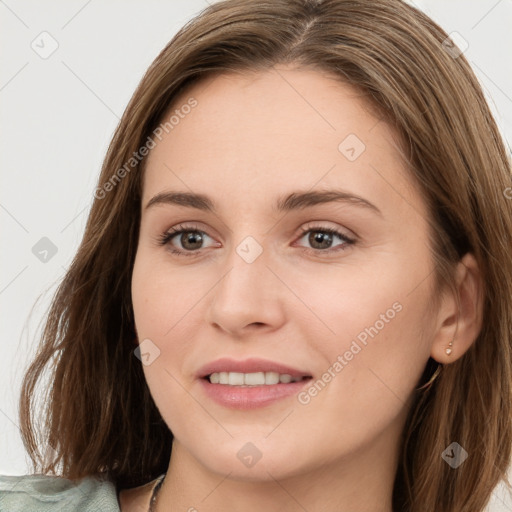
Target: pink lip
x=244, y=398
x=252, y=365
x=249, y=397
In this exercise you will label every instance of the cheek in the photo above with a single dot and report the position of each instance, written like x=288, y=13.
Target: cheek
x=357, y=299
x=161, y=296
x=167, y=304
x=161, y=300
x=375, y=334
x=368, y=371
x=157, y=309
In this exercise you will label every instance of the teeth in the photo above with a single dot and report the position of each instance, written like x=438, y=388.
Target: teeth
x=251, y=379
x=254, y=379
x=235, y=379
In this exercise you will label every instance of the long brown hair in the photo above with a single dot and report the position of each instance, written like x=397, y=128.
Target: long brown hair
x=100, y=417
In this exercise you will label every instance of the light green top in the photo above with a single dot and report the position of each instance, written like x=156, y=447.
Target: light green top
x=44, y=493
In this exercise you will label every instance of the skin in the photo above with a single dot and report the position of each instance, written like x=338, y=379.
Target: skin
x=253, y=138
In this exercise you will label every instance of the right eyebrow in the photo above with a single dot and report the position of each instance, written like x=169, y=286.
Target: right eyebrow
x=188, y=199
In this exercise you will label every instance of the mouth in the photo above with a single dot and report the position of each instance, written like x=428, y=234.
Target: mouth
x=251, y=383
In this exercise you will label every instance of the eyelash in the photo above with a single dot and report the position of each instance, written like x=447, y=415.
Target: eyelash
x=167, y=236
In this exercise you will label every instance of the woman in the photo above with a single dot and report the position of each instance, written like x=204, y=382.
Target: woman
x=294, y=286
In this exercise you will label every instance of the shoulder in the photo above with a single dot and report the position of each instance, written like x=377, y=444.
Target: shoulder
x=45, y=493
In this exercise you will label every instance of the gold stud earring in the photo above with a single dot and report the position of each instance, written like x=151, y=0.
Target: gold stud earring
x=448, y=349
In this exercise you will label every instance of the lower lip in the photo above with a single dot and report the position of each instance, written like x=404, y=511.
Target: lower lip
x=244, y=398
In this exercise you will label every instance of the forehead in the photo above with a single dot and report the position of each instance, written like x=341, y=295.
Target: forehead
x=250, y=135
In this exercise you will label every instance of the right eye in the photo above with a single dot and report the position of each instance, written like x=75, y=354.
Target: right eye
x=190, y=236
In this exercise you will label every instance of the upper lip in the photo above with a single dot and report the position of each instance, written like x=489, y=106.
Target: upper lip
x=251, y=365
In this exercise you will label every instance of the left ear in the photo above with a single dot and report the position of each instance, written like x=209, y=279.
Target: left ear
x=462, y=324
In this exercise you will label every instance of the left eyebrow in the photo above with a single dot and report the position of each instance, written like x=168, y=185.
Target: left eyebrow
x=301, y=200
x=298, y=200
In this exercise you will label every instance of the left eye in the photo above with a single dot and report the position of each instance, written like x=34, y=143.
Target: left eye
x=322, y=236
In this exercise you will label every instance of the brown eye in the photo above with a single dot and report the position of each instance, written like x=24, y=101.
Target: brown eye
x=191, y=240
x=321, y=239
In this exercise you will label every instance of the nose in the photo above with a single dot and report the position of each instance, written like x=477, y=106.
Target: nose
x=247, y=298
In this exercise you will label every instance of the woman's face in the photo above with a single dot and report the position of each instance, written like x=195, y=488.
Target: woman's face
x=258, y=279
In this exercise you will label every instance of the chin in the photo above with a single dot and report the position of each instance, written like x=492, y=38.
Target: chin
x=251, y=462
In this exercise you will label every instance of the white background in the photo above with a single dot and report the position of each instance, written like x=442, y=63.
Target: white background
x=59, y=113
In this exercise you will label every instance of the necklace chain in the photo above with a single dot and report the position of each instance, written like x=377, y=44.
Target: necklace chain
x=152, y=502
